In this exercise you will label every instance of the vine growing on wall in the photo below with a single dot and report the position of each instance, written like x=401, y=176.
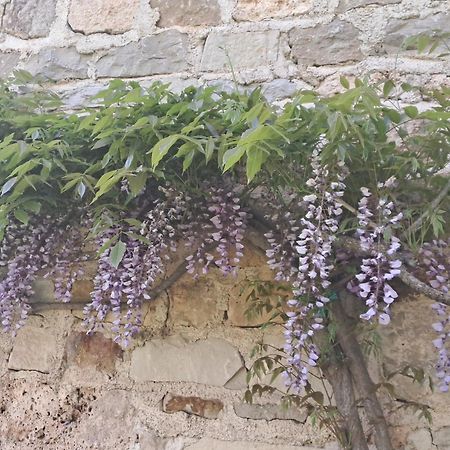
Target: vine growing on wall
x=350, y=191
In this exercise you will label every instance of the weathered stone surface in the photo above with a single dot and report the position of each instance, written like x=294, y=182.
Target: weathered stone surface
x=158, y=54
x=333, y=43
x=81, y=290
x=58, y=63
x=397, y=30
x=44, y=291
x=246, y=50
x=420, y=440
x=8, y=62
x=346, y=5
x=263, y=9
x=34, y=349
x=207, y=408
x=187, y=12
x=28, y=18
x=211, y=361
x=102, y=16
x=195, y=302
x=441, y=438
x=94, y=350
x=214, y=444
x=269, y=412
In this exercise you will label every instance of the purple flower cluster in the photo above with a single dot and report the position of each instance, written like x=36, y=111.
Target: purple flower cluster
x=309, y=241
x=434, y=259
x=24, y=251
x=442, y=343
x=122, y=290
x=219, y=224
x=371, y=284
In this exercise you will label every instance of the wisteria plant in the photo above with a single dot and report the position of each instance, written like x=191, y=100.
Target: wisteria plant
x=350, y=190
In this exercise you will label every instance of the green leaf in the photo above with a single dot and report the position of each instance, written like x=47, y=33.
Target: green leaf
x=344, y=82
x=22, y=216
x=388, y=87
x=8, y=185
x=161, y=148
x=232, y=156
x=255, y=158
x=411, y=111
x=117, y=253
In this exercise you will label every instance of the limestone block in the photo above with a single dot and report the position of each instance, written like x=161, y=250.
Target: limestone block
x=441, y=438
x=420, y=440
x=95, y=350
x=158, y=54
x=81, y=290
x=269, y=412
x=58, y=63
x=102, y=16
x=207, y=408
x=214, y=444
x=333, y=43
x=8, y=62
x=346, y=5
x=34, y=349
x=195, y=302
x=187, y=12
x=397, y=30
x=245, y=50
x=28, y=19
x=212, y=361
x=263, y=9
x=44, y=291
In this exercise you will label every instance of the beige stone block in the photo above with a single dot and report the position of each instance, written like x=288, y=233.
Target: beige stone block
x=187, y=12
x=212, y=361
x=34, y=349
x=242, y=50
x=263, y=9
x=214, y=444
x=207, y=408
x=333, y=43
x=195, y=302
x=102, y=16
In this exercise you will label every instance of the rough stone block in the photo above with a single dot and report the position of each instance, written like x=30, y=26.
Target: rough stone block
x=195, y=302
x=58, y=63
x=244, y=50
x=8, y=62
x=158, y=54
x=34, y=349
x=28, y=19
x=441, y=438
x=209, y=409
x=215, y=444
x=211, y=361
x=420, y=440
x=44, y=291
x=346, y=5
x=102, y=16
x=334, y=43
x=262, y=9
x=269, y=412
x=92, y=351
x=81, y=290
x=187, y=12
x=397, y=30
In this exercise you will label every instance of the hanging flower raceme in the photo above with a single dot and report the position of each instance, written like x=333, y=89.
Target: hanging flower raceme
x=376, y=239
x=312, y=248
x=142, y=263
x=442, y=344
x=217, y=229
x=433, y=259
x=26, y=250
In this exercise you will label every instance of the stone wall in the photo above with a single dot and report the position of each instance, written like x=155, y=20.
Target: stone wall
x=180, y=384
x=283, y=44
